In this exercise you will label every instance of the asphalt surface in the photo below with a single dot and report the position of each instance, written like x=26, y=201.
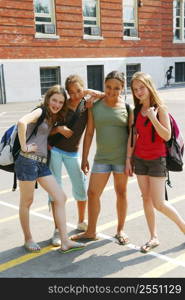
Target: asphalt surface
x=103, y=258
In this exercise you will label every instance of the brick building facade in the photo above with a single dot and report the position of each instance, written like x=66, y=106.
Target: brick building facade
x=42, y=42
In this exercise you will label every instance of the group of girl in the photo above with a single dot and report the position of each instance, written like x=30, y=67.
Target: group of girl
x=65, y=122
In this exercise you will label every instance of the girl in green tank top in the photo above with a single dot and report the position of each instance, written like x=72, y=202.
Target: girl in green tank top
x=110, y=119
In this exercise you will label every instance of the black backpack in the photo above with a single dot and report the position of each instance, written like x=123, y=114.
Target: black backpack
x=16, y=146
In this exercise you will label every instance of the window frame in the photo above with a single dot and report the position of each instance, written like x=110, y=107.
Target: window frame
x=90, y=19
x=58, y=75
x=134, y=21
x=181, y=18
x=128, y=77
x=50, y=15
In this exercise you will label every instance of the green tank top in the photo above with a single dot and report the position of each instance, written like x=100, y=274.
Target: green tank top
x=111, y=133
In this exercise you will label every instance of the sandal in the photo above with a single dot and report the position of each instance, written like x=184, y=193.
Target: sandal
x=76, y=246
x=122, y=239
x=149, y=246
x=32, y=247
x=82, y=236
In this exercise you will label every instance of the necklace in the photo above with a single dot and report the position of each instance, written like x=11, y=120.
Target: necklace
x=144, y=112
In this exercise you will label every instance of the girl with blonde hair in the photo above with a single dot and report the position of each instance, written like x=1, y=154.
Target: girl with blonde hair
x=146, y=153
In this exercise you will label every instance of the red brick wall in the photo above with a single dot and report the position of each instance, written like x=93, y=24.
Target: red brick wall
x=168, y=47
x=17, y=31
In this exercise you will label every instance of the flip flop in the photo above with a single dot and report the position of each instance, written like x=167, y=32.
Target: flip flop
x=122, y=239
x=32, y=247
x=74, y=248
x=149, y=246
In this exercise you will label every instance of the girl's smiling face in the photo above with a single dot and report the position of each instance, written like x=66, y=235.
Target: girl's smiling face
x=56, y=103
x=113, y=88
x=140, y=91
x=76, y=91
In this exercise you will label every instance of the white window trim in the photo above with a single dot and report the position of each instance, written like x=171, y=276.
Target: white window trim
x=53, y=22
x=97, y=19
x=39, y=35
x=182, y=26
x=126, y=37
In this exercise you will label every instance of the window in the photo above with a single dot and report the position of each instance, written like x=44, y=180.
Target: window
x=91, y=17
x=95, y=75
x=130, y=18
x=130, y=70
x=49, y=77
x=179, y=20
x=44, y=17
x=180, y=72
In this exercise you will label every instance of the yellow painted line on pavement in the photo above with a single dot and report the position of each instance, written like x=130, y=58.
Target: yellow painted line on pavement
x=5, y=191
x=166, y=267
x=22, y=259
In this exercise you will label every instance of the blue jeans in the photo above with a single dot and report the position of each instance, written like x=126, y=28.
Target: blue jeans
x=28, y=169
x=71, y=161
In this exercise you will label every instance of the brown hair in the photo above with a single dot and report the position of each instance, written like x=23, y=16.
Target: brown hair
x=60, y=116
x=116, y=75
x=73, y=79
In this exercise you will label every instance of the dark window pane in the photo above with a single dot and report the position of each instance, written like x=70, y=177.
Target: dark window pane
x=48, y=78
x=95, y=77
x=177, y=34
x=130, y=70
x=41, y=19
x=180, y=72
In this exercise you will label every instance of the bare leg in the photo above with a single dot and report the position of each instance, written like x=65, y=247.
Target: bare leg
x=120, y=185
x=144, y=185
x=97, y=183
x=55, y=191
x=26, y=199
x=157, y=186
x=81, y=206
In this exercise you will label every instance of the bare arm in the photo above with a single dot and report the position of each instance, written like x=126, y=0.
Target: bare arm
x=130, y=150
x=32, y=117
x=63, y=130
x=161, y=125
x=93, y=96
x=87, y=142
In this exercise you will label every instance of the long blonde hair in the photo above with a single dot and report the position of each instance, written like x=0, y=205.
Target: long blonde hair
x=146, y=79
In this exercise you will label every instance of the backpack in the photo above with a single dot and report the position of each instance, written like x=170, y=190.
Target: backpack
x=174, y=147
x=10, y=146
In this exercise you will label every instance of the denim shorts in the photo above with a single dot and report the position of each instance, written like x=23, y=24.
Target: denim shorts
x=107, y=168
x=29, y=170
x=154, y=167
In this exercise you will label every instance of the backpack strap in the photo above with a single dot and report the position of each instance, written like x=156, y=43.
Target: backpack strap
x=128, y=112
x=14, y=182
x=136, y=111
x=168, y=182
x=39, y=122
